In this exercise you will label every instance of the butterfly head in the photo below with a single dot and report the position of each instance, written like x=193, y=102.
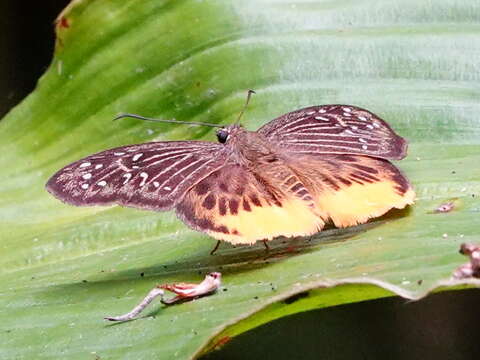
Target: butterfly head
x=227, y=133
x=222, y=135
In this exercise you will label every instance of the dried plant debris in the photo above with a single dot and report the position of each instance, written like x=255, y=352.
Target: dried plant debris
x=472, y=268
x=155, y=292
x=183, y=292
x=445, y=207
x=186, y=291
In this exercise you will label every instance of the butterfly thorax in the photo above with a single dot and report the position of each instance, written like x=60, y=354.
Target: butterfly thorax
x=249, y=147
x=269, y=167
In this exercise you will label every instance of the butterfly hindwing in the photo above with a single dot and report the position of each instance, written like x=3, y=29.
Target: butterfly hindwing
x=150, y=176
x=335, y=129
x=293, y=198
x=238, y=205
x=351, y=189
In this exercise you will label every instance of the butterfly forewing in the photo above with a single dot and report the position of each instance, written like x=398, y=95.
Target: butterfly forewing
x=335, y=129
x=151, y=176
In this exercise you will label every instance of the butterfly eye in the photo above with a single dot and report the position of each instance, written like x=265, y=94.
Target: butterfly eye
x=222, y=136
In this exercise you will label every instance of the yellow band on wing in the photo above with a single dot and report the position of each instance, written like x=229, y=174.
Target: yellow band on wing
x=357, y=203
x=294, y=218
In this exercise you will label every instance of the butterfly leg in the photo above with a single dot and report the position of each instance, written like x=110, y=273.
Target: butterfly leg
x=215, y=248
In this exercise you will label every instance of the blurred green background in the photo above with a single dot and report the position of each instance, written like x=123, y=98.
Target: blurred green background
x=443, y=326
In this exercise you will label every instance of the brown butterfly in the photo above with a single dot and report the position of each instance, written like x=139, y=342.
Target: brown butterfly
x=290, y=177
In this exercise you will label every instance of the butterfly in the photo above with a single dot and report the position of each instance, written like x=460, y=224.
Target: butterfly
x=289, y=178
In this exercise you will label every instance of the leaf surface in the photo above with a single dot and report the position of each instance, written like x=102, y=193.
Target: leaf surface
x=64, y=268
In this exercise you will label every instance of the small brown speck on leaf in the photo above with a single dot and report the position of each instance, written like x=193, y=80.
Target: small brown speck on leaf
x=63, y=22
x=472, y=268
x=420, y=282
x=222, y=342
x=445, y=207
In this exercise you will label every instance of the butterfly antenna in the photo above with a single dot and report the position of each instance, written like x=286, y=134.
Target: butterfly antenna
x=249, y=95
x=135, y=116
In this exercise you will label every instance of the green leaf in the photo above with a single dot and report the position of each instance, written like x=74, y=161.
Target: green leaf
x=64, y=268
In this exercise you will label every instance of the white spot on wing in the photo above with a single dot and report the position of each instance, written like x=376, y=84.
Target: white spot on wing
x=321, y=118
x=87, y=176
x=85, y=164
x=364, y=147
x=310, y=113
x=168, y=188
x=127, y=177
x=98, y=166
x=156, y=184
x=118, y=153
x=369, y=127
x=85, y=186
x=102, y=183
x=362, y=140
x=144, y=177
x=376, y=124
x=363, y=118
x=347, y=109
x=322, y=111
x=137, y=156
